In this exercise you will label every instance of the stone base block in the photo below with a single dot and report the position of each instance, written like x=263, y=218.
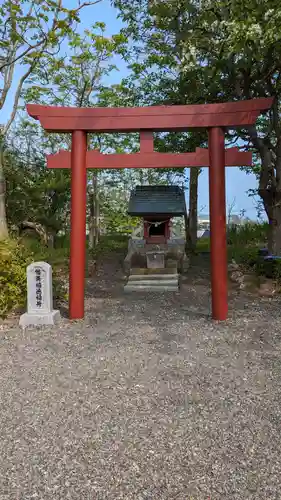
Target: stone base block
x=155, y=260
x=36, y=319
x=150, y=288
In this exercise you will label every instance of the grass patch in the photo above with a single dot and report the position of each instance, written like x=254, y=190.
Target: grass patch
x=110, y=244
x=203, y=245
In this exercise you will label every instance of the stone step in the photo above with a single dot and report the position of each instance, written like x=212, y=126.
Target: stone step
x=152, y=277
x=150, y=288
x=144, y=271
x=153, y=282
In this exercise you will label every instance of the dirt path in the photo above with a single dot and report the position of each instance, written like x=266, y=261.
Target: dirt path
x=147, y=398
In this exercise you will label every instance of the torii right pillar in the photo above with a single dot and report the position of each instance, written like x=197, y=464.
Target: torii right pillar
x=218, y=224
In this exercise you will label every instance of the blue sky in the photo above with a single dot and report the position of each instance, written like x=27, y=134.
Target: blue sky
x=237, y=181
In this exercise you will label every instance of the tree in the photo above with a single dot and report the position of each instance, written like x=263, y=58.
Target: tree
x=35, y=196
x=230, y=51
x=240, y=44
x=162, y=76
x=78, y=80
x=230, y=209
x=28, y=32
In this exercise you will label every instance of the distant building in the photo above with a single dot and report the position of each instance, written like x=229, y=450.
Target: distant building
x=234, y=220
x=203, y=221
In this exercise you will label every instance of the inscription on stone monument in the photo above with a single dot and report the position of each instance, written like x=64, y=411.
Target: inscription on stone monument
x=38, y=284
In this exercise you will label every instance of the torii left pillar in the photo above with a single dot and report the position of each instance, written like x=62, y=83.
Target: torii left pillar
x=78, y=224
x=218, y=224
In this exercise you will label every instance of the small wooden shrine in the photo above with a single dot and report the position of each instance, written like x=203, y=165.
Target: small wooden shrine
x=156, y=244
x=157, y=205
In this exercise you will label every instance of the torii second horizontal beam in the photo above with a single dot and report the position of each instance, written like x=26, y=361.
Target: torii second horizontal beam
x=199, y=158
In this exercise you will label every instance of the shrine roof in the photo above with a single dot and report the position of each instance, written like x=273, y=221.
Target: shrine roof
x=157, y=200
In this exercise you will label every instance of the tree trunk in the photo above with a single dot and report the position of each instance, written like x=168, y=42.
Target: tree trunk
x=91, y=224
x=51, y=240
x=94, y=213
x=270, y=182
x=193, y=204
x=272, y=205
x=188, y=244
x=96, y=220
x=274, y=236
x=3, y=218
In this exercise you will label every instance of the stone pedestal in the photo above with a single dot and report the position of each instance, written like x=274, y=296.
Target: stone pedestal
x=172, y=251
x=155, y=260
x=51, y=318
x=39, y=297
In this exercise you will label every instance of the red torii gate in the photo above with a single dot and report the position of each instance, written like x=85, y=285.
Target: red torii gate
x=214, y=117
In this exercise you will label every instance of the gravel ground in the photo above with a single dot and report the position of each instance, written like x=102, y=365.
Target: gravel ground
x=147, y=398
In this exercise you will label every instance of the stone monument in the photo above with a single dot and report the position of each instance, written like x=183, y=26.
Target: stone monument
x=39, y=296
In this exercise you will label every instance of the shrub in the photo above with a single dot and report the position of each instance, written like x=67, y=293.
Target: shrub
x=270, y=268
x=250, y=259
x=14, y=258
x=248, y=234
x=247, y=256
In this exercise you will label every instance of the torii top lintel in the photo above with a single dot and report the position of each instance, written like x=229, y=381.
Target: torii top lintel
x=158, y=118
